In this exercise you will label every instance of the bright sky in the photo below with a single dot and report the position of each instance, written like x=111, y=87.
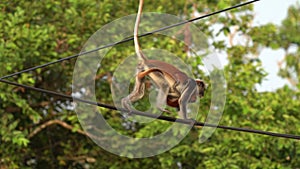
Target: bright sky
x=271, y=11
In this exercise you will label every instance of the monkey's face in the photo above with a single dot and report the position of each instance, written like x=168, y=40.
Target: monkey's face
x=201, y=87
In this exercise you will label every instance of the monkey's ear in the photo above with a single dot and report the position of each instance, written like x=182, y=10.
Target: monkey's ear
x=200, y=83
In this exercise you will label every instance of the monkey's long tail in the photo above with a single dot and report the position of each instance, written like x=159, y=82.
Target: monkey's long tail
x=138, y=50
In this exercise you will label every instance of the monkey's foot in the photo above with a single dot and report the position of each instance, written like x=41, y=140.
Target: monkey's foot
x=126, y=113
x=129, y=112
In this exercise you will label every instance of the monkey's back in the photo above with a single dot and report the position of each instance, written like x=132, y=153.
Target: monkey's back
x=167, y=68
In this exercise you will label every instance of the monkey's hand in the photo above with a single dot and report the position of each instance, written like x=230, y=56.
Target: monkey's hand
x=192, y=121
x=164, y=110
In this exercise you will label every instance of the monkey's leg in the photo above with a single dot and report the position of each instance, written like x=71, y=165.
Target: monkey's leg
x=177, y=82
x=136, y=94
x=159, y=79
x=174, y=87
x=139, y=87
x=162, y=96
x=189, y=90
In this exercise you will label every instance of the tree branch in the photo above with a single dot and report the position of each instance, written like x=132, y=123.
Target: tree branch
x=63, y=124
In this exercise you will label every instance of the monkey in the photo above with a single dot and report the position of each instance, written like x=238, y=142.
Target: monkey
x=176, y=89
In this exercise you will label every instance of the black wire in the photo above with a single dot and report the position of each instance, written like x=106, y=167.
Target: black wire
x=165, y=118
x=126, y=40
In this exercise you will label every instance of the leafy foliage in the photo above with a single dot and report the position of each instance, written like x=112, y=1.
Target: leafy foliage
x=42, y=131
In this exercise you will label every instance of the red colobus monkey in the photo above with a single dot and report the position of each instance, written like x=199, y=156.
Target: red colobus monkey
x=176, y=89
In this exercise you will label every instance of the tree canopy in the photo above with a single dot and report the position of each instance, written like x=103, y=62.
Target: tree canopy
x=42, y=131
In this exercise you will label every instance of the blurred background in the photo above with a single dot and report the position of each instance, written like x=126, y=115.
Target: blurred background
x=258, y=45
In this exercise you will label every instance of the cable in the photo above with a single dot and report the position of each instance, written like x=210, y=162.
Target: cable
x=126, y=40
x=165, y=118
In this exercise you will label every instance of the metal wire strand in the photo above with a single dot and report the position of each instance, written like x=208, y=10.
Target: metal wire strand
x=126, y=40
x=165, y=118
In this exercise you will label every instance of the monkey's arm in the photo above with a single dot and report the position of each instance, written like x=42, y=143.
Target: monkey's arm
x=189, y=90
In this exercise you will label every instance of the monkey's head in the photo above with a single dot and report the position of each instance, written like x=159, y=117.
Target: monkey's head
x=201, y=87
